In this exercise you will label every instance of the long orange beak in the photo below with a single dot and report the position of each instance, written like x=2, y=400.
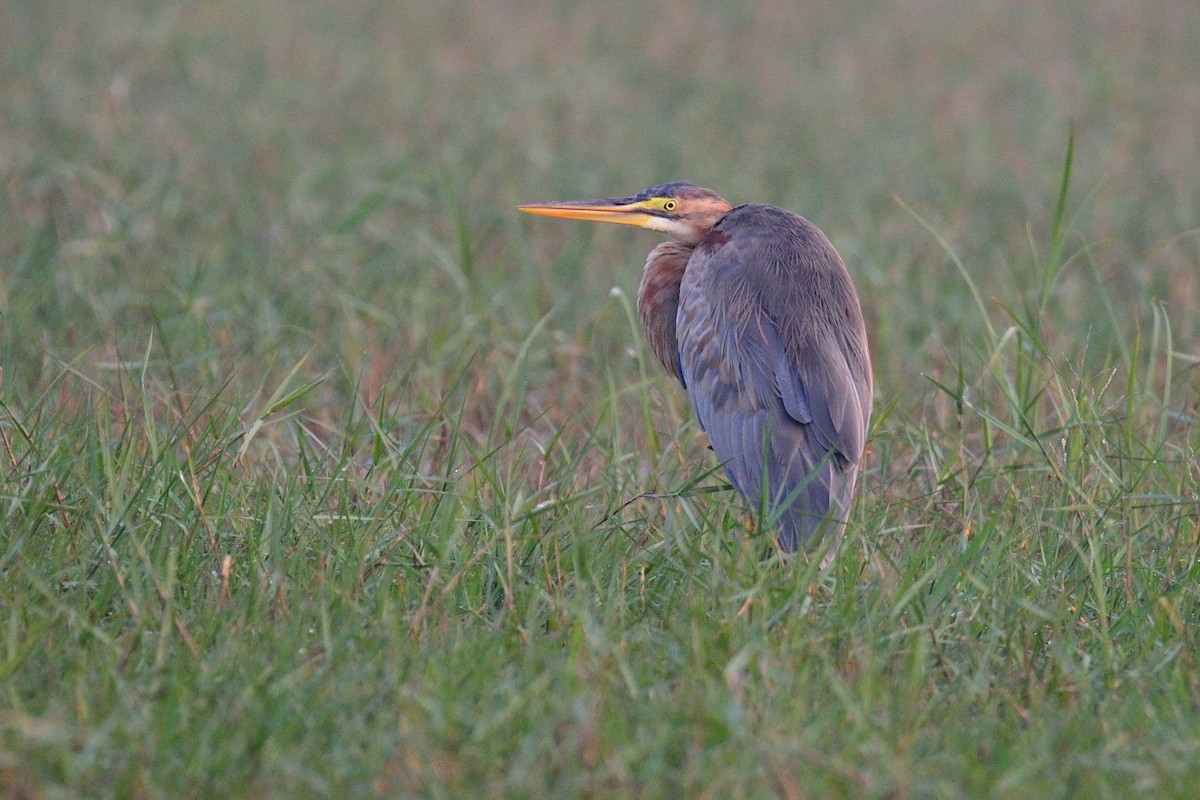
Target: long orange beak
x=621, y=210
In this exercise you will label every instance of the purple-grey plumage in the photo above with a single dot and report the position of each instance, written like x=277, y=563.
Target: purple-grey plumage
x=774, y=356
x=753, y=311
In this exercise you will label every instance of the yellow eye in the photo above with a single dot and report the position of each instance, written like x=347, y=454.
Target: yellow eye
x=670, y=205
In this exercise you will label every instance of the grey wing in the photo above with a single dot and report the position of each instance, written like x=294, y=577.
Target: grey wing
x=768, y=406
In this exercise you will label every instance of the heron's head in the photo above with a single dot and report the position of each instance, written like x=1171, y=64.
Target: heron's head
x=681, y=210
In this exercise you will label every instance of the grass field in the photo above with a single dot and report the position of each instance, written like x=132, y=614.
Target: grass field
x=324, y=473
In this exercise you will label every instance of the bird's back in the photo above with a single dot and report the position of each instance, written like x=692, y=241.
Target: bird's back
x=773, y=352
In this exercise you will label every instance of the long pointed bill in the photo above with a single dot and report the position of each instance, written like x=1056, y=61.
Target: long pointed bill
x=621, y=210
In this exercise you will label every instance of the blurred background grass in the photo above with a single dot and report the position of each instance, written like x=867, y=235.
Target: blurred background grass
x=270, y=176
x=271, y=247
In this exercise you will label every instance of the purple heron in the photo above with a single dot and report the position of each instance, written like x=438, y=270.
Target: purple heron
x=753, y=311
